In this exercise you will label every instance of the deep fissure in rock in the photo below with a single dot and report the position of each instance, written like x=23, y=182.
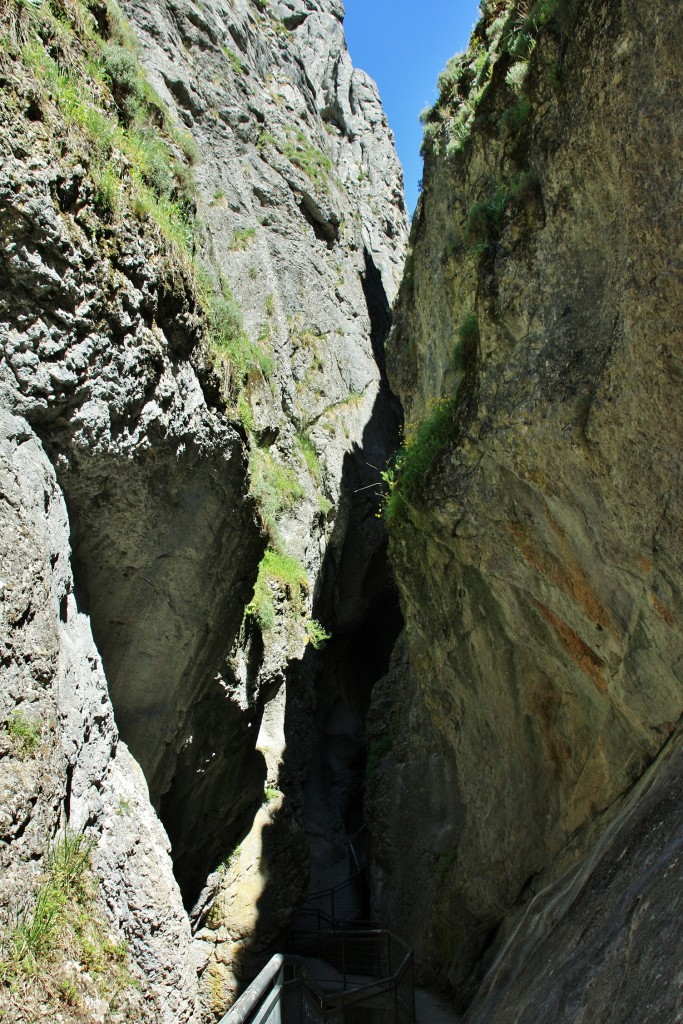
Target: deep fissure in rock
x=358, y=599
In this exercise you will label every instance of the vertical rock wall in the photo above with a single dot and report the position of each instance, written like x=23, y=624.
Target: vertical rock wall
x=538, y=555
x=105, y=368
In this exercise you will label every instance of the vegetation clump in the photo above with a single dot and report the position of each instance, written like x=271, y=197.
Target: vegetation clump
x=507, y=32
x=85, y=68
x=317, y=634
x=278, y=574
x=378, y=750
x=275, y=488
x=242, y=239
x=423, y=443
x=312, y=161
x=24, y=731
x=58, y=946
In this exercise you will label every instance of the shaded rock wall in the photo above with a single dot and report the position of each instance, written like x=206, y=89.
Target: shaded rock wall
x=598, y=944
x=539, y=558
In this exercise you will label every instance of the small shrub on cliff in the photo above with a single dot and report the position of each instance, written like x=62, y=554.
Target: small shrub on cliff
x=275, y=489
x=242, y=239
x=278, y=573
x=230, y=343
x=310, y=455
x=124, y=75
x=317, y=634
x=314, y=163
x=468, y=339
x=107, y=192
x=484, y=221
x=515, y=117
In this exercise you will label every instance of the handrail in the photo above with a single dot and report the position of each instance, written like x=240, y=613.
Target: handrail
x=352, y=949
x=331, y=889
x=269, y=983
x=353, y=856
x=261, y=985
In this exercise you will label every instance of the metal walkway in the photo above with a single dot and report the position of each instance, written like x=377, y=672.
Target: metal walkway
x=337, y=970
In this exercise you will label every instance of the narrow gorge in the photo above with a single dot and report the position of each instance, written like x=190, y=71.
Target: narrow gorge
x=316, y=522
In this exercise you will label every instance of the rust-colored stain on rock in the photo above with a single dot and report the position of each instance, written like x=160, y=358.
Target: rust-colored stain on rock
x=578, y=650
x=563, y=569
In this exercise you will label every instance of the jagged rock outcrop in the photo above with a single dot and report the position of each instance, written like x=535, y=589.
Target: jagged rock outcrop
x=536, y=511
x=146, y=434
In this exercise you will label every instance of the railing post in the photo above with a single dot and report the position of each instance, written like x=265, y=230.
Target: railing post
x=412, y=985
x=343, y=945
x=388, y=969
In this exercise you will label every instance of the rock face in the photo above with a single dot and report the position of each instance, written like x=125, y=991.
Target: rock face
x=598, y=944
x=81, y=774
x=132, y=430
x=538, y=546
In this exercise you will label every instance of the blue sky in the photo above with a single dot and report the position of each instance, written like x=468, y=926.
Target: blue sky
x=404, y=49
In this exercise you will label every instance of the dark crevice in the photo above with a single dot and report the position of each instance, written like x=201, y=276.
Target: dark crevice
x=358, y=601
x=324, y=230
x=67, y=791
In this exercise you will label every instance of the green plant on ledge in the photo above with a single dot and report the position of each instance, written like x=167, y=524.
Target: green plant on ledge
x=484, y=221
x=25, y=733
x=314, y=163
x=277, y=573
x=275, y=489
x=317, y=634
x=228, y=340
x=424, y=441
x=96, y=85
x=242, y=239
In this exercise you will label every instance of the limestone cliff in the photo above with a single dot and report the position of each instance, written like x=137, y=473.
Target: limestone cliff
x=536, y=507
x=203, y=227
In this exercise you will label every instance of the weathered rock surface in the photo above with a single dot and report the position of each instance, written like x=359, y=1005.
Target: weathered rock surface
x=301, y=196
x=104, y=361
x=539, y=559
x=601, y=943
x=81, y=774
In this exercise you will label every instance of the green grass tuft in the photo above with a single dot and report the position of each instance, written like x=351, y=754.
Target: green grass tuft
x=314, y=163
x=515, y=117
x=229, y=341
x=275, y=488
x=484, y=221
x=24, y=731
x=468, y=340
x=317, y=634
x=242, y=239
x=278, y=573
x=423, y=443
x=310, y=455
x=62, y=935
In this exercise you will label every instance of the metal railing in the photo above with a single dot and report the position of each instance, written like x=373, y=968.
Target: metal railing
x=338, y=970
x=365, y=975
x=283, y=993
x=340, y=903
x=287, y=992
